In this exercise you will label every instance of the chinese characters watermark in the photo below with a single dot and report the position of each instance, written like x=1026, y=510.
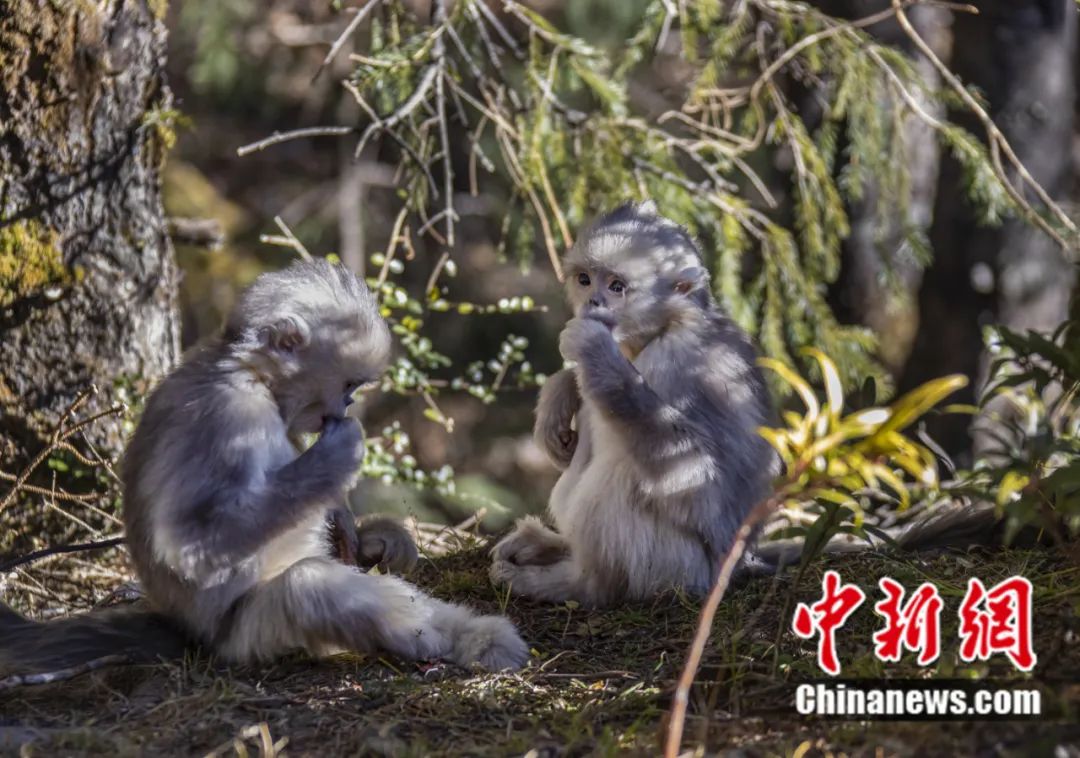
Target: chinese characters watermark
x=994, y=621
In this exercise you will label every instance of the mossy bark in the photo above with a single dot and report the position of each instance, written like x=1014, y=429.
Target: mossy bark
x=89, y=283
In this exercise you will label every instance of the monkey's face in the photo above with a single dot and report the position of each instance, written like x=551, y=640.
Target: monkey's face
x=636, y=301
x=636, y=272
x=328, y=371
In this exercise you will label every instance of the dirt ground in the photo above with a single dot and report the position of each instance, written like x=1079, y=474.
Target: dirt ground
x=600, y=682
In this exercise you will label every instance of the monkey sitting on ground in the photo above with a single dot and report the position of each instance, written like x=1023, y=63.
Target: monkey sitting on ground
x=655, y=427
x=227, y=522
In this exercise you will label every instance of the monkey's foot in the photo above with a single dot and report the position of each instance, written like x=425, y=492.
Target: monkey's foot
x=531, y=544
x=553, y=583
x=386, y=543
x=491, y=642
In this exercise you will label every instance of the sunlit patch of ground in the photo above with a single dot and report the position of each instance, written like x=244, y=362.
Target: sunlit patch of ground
x=600, y=681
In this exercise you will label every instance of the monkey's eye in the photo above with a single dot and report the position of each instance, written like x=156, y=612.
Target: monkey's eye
x=617, y=287
x=583, y=280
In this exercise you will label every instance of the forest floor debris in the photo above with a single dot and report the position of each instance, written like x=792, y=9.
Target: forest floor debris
x=599, y=682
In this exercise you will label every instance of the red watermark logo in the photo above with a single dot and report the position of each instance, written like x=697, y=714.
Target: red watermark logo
x=992, y=621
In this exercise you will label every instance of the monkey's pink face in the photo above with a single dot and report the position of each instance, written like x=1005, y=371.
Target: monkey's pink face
x=635, y=297
x=608, y=296
x=596, y=294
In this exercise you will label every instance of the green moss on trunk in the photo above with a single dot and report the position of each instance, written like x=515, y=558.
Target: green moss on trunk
x=30, y=261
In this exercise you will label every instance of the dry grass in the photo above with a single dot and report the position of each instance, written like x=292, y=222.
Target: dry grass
x=600, y=681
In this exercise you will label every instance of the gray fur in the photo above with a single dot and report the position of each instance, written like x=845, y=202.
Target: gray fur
x=227, y=522
x=555, y=410
x=665, y=459
x=133, y=632
x=384, y=543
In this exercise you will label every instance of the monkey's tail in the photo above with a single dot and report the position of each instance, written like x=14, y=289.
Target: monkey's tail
x=130, y=634
x=958, y=526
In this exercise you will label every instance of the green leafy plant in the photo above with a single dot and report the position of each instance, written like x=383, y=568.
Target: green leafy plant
x=1030, y=417
x=545, y=119
x=841, y=468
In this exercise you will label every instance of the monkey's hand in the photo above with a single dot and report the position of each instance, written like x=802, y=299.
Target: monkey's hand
x=582, y=337
x=339, y=451
x=559, y=402
x=344, y=543
x=530, y=544
x=385, y=543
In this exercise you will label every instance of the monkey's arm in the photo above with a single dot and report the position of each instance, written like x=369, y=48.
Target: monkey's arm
x=559, y=401
x=610, y=381
x=240, y=519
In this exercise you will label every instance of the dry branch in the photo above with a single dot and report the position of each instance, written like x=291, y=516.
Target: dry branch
x=59, y=440
x=59, y=550
x=48, y=677
x=677, y=720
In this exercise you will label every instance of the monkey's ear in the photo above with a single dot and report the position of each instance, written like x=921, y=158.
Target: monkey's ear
x=691, y=279
x=648, y=208
x=286, y=335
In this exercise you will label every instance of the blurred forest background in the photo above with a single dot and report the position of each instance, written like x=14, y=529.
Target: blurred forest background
x=847, y=191
x=241, y=70
x=885, y=192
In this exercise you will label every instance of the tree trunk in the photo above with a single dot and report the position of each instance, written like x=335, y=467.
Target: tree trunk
x=87, y=277
x=871, y=253
x=1020, y=54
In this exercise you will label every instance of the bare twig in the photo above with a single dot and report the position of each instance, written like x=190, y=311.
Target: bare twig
x=59, y=550
x=439, y=55
x=391, y=246
x=676, y=722
x=58, y=440
x=435, y=272
x=519, y=179
x=427, y=81
x=358, y=19
x=279, y=137
x=504, y=35
x=998, y=144
x=288, y=239
x=20, y=680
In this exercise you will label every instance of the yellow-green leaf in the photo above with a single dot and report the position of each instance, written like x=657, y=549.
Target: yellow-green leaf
x=834, y=388
x=1011, y=484
x=800, y=385
x=920, y=400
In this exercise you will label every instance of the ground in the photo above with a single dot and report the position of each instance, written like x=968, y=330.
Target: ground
x=600, y=681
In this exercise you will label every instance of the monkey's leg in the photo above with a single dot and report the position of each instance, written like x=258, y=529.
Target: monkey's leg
x=531, y=544
x=559, y=402
x=321, y=605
